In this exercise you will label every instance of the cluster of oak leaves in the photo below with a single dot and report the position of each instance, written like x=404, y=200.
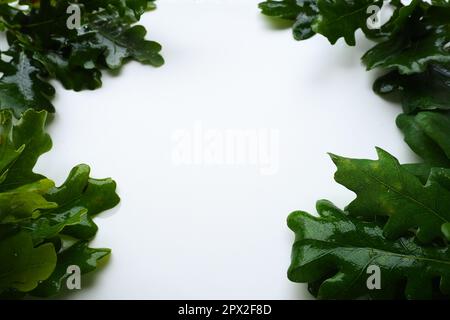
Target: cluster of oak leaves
x=400, y=219
x=45, y=230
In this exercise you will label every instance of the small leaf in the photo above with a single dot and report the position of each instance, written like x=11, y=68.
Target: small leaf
x=412, y=50
x=446, y=230
x=341, y=18
x=118, y=41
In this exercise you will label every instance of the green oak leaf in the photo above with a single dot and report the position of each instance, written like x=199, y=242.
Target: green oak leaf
x=285, y=9
x=79, y=254
x=79, y=199
x=131, y=10
x=427, y=135
x=50, y=225
x=21, y=86
x=8, y=151
x=302, y=12
x=341, y=18
x=384, y=188
x=333, y=252
x=413, y=49
x=23, y=266
x=44, y=216
x=336, y=19
x=29, y=136
x=400, y=219
x=429, y=90
x=43, y=47
x=25, y=201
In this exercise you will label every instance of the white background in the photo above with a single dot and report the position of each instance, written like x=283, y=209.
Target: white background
x=216, y=232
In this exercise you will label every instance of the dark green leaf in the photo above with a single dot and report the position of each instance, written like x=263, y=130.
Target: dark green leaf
x=39, y=213
x=79, y=255
x=399, y=19
x=117, y=41
x=22, y=265
x=423, y=135
x=29, y=135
